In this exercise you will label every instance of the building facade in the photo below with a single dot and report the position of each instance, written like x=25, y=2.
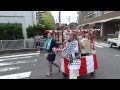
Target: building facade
x=39, y=15
x=72, y=26
x=107, y=21
x=25, y=18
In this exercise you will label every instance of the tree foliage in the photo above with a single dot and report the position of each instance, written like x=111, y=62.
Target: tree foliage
x=11, y=31
x=46, y=23
x=34, y=30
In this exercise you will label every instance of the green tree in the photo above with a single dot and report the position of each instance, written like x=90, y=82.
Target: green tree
x=48, y=21
x=11, y=31
x=18, y=31
x=30, y=31
x=35, y=29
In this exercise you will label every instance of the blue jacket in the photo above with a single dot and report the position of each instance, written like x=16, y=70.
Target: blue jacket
x=53, y=44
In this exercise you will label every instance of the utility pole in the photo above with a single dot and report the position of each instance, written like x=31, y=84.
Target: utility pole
x=59, y=24
x=68, y=21
x=59, y=16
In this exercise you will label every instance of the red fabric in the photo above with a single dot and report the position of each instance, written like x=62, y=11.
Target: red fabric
x=95, y=62
x=91, y=41
x=53, y=31
x=46, y=31
x=83, y=67
x=66, y=62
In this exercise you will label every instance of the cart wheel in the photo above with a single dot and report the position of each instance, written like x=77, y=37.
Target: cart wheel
x=92, y=74
x=64, y=75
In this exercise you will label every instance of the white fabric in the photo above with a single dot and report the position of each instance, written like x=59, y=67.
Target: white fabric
x=90, y=64
x=93, y=51
x=73, y=74
x=68, y=50
x=75, y=65
x=62, y=68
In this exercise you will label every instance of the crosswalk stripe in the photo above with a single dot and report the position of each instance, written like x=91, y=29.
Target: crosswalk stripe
x=103, y=44
x=5, y=59
x=7, y=65
x=8, y=69
x=16, y=62
x=31, y=54
x=16, y=76
x=98, y=46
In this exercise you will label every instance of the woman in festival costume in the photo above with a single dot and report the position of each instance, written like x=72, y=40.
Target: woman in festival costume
x=71, y=51
x=49, y=44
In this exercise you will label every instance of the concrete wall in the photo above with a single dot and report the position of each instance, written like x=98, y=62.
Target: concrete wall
x=25, y=17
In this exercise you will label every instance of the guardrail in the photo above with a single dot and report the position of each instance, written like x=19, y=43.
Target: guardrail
x=19, y=44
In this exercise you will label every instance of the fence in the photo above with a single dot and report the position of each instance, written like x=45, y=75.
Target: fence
x=19, y=44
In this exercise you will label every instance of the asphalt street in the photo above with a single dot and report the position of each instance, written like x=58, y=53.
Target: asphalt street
x=33, y=65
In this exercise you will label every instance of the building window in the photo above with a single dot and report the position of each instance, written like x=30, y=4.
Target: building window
x=93, y=14
x=89, y=15
x=98, y=13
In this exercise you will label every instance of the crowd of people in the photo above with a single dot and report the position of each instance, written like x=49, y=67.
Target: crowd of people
x=74, y=48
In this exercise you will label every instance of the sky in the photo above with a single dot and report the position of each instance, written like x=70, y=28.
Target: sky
x=65, y=16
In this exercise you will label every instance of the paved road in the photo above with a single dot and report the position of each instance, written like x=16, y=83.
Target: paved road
x=29, y=66
x=109, y=62
x=34, y=66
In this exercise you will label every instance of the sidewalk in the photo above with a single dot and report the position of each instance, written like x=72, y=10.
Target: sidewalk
x=10, y=52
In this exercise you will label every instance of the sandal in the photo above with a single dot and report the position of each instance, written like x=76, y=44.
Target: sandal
x=48, y=74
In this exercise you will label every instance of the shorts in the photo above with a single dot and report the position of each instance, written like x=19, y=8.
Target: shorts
x=51, y=57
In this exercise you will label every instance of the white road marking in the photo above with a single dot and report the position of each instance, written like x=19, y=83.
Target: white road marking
x=15, y=62
x=15, y=58
x=16, y=76
x=117, y=55
x=35, y=60
x=8, y=69
x=98, y=46
x=31, y=54
x=103, y=44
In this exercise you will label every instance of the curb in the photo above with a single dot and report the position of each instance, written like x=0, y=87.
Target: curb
x=17, y=51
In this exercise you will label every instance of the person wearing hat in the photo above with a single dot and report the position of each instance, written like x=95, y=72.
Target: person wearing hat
x=72, y=52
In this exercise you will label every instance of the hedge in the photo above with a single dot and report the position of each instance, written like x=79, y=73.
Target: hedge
x=10, y=31
x=34, y=30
